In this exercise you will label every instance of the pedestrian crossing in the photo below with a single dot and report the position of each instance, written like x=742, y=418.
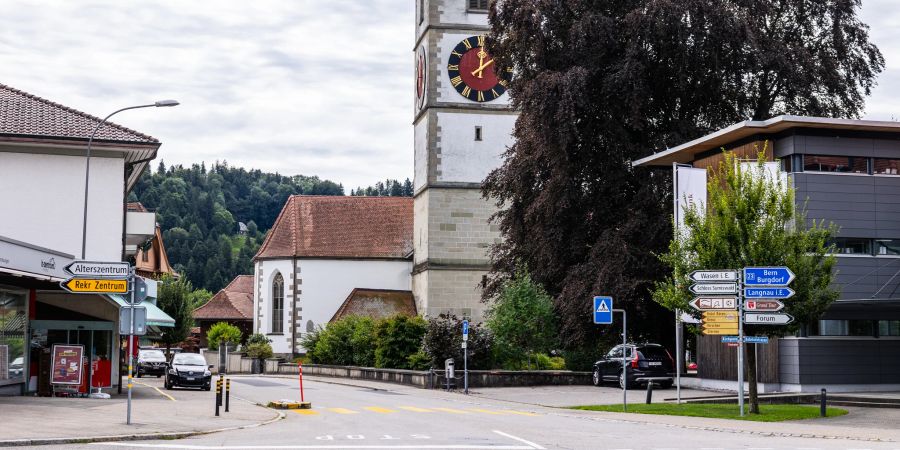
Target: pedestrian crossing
x=406, y=409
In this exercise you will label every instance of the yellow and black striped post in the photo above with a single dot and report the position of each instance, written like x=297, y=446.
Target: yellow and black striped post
x=221, y=382
x=218, y=395
x=227, y=392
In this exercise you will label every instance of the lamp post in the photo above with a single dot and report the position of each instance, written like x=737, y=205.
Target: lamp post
x=87, y=171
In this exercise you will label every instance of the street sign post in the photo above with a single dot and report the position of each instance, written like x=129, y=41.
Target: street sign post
x=730, y=339
x=768, y=318
x=140, y=320
x=763, y=305
x=756, y=339
x=465, y=336
x=714, y=276
x=603, y=309
x=768, y=276
x=714, y=303
x=89, y=269
x=768, y=292
x=95, y=285
x=714, y=288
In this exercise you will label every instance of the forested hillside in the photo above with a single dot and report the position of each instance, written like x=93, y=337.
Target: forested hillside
x=199, y=210
x=390, y=188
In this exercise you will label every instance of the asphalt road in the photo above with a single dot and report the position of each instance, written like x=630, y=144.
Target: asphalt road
x=394, y=417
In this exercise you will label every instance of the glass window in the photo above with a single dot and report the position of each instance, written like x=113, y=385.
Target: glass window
x=884, y=166
x=12, y=337
x=852, y=246
x=278, y=304
x=889, y=327
x=887, y=246
x=479, y=5
x=189, y=359
x=786, y=165
x=840, y=164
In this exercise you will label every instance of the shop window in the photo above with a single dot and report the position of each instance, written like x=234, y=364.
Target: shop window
x=838, y=164
x=278, y=304
x=846, y=328
x=852, y=246
x=478, y=5
x=889, y=327
x=885, y=166
x=12, y=337
x=887, y=246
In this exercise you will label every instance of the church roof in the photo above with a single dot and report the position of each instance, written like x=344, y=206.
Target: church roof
x=377, y=304
x=351, y=227
x=235, y=302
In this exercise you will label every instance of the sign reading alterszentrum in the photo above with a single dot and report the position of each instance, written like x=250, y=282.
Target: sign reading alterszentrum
x=98, y=269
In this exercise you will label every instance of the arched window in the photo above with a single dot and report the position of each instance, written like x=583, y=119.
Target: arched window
x=278, y=304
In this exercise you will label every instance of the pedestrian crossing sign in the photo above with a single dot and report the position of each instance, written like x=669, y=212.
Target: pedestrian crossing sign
x=603, y=307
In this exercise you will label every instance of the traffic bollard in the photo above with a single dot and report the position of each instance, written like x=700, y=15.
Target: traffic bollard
x=823, y=411
x=221, y=383
x=227, y=392
x=649, y=392
x=300, y=372
x=218, y=395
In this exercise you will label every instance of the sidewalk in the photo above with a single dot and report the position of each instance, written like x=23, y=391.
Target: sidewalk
x=45, y=420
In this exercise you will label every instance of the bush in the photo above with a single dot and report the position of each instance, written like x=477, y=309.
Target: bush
x=522, y=318
x=443, y=339
x=419, y=361
x=396, y=338
x=309, y=341
x=581, y=359
x=223, y=332
x=258, y=338
x=259, y=350
x=346, y=342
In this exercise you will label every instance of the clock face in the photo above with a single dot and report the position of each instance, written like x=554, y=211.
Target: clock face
x=420, y=77
x=472, y=71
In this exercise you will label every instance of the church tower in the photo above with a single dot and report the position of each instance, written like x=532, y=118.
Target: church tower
x=463, y=124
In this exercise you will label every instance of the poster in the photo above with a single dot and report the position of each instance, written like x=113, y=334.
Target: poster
x=67, y=367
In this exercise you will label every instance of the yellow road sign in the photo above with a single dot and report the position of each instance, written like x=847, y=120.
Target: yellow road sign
x=719, y=331
x=95, y=286
x=719, y=325
x=720, y=316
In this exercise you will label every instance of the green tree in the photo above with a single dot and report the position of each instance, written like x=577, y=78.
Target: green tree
x=522, y=318
x=222, y=332
x=750, y=220
x=174, y=300
x=199, y=298
x=443, y=339
x=396, y=338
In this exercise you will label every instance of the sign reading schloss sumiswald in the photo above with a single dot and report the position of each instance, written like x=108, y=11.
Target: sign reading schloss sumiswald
x=714, y=288
x=712, y=276
x=95, y=286
x=98, y=269
x=768, y=276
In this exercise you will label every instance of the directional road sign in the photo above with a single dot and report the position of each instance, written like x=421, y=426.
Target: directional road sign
x=603, y=307
x=714, y=288
x=730, y=339
x=768, y=276
x=714, y=276
x=715, y=329
x=94, y=269
x=768, y=318
x=756, y=339
x=465, y=330
x=763, y=305
x=714, y=303
x=95, y=286
x=720, y=317
x=768, y=292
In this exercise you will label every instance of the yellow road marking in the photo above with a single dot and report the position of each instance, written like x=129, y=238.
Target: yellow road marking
x=521, y=413
x=379, y=409
x=487, y=411
x=415, y=409
x=157, y=390
x=305, y=412
x=450, y=410
x=342, y=410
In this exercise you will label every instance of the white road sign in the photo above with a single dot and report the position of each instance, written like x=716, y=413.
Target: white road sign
x=768, y=318
x=714, y=288
x=95, y=269
x=713, y=276
x=714, y=303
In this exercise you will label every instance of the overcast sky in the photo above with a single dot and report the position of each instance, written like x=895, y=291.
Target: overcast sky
x=298, y=87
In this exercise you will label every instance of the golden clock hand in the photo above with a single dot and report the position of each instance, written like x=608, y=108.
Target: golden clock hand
x=480, y=70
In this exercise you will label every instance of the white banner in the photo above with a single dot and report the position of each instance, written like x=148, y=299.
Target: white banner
x=690, y=189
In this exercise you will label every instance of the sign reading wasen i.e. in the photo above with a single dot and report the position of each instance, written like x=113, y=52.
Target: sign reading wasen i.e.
x=768, y=292
x=603, y=307
x=768, y=276
x=714, y=276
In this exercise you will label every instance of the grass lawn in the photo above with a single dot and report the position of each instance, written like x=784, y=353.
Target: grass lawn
x=767, y=413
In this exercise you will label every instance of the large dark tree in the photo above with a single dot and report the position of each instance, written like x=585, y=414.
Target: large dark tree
x=602, y=83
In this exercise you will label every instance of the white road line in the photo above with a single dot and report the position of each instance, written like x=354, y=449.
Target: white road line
x=304, y=447
x=528, y=443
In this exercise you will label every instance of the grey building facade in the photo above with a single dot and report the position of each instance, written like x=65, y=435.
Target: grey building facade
x=846, y=172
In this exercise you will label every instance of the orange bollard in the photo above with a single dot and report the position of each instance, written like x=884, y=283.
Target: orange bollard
x=300, y=370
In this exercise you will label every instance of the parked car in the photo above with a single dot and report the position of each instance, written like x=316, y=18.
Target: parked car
x=188, y=370
x=642, y=361
x=150, y=362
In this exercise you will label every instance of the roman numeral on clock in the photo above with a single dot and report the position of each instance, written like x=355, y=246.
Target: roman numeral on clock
x=452, y=66
x=467, y=44
x=480, y=96
x=466, y=91
x=456, y=81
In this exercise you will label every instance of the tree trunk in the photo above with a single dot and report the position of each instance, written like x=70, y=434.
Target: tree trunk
x=168, y=350
x=750, y=351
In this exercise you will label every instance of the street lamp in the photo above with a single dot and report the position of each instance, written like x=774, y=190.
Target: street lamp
x=87, y=171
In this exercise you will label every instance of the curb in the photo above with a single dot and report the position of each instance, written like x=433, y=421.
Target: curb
x=136, y=437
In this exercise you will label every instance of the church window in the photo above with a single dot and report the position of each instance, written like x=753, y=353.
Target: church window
x=477, y=133
x=278, y=304
x=421, y=11
x=478, y=5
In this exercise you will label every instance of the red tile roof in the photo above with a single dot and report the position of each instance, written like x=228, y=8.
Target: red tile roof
x=26, y=115
x=235, y=302
x=135, y=207
x=377, y=304
x=341, y=227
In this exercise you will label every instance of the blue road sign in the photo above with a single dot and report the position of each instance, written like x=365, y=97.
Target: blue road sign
x=730, y=339
x=603, y=307
x=768, y=276
x=465, y=330
x=768, y=292
x=756, y=339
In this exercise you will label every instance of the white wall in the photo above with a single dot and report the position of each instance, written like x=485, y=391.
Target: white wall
x=463, y=159
x=420, y=157
x=43, y=198
x=446, y=91
x=265, y=274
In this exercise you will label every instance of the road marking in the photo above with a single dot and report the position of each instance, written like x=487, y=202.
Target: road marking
x=157, y=390
x=487, y=411
x=306, y=412
x=521, y=413
x=450, y=410
x=379, y=409
x=305, y=447
x=528, y=443
x=342, y=410
x=415, y=409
